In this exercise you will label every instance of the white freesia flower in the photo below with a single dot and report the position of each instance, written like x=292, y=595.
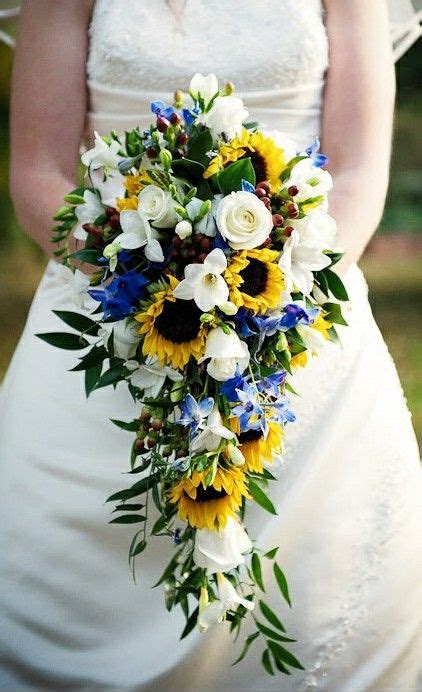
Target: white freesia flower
x=226, y=115
x=298, y=261
x=110, y=188
x=221, y=551
x=235, y=455
x=313, y=338
x=87, y=212
x=284, y=142
x=203, y=282
x=214, y=431
x=317, y=229
x=229, y=599
x=310, y=180
x=157, y=205
x=111, y=252
x=150, y=376
x=125, y=337
x=243, y=220
x=137, y=232
x=204, y=85
x=78, y=284
x=207, y=224
x=226, y=352
x=101, y=155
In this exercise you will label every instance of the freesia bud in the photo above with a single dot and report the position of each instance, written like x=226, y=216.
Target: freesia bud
x=236, y=456
x=228, y=308
x=183, y=229
x=229, y=89
x=206, y=317
x=204, y=210
x=166, y=158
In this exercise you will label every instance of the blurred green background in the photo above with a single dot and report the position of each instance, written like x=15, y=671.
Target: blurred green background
x=392, y=263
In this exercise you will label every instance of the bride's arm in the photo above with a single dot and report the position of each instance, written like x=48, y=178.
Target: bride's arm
x=357, y=118
x=48, y=107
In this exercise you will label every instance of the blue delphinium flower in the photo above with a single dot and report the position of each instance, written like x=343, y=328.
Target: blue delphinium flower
x=160, y=109
x=295, y=314
x=189, y=116
x=243, y=322
x=249, y=407
x=282, y=411
x=229, y=387
x=119, y=298
x=313, y=151
x=219, y=242
x=194, y=412
x=247, y=186
x=272, y=383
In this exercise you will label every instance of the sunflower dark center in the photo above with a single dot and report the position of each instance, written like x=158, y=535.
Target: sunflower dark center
x=210, y=493
x=255, y=276
x=179, y=321
x=259, y=165
x=250, y=436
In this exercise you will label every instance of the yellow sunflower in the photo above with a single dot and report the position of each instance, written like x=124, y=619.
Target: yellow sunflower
x=210, y=507
x=123, y=203
x=257, y=449
x=172, y=329
x=255, y=280
x=267, y=158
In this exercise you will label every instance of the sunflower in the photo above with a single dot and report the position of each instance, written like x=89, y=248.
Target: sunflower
x=172, y=328
x=257, y=449
x=255, y=280
x=123, y=203
x=268, y=160
x=209, y=507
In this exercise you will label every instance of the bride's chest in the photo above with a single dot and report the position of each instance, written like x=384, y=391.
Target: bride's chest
x=157, y=45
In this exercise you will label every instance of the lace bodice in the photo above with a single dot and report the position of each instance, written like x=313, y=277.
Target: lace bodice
x=258, y=44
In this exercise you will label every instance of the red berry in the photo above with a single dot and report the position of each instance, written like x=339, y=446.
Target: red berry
x=162, y=124
x=156, y=424
x=293, y=210
x=182, y=138
x=145, y=415
x=175, y=118
x=266, y=201
x=292, y=190
x=202, y=257
x=176, y=241
x=260, y=192
x=150, y=443
x=139, y=446
x=115, y=221
x=265, y=186
x=191, y=253
x=110, y=211
x=278, y=220
x=151, y=152
x=205, y=243
x=288, y=231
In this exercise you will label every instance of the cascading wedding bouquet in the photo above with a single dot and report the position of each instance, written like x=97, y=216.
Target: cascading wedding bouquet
x=211, y=254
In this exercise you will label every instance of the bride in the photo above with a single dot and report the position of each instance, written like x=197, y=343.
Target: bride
x=349, y=487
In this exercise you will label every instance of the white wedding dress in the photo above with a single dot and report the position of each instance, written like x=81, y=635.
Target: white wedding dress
x=348, y=523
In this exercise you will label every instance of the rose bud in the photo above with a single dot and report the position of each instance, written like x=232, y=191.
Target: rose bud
x=278, y=220
x=182, y=138
x=151, y=152
x=293, y=210
x=162, y=124
x=292, y=190
x=265, y=186
x=175, y=118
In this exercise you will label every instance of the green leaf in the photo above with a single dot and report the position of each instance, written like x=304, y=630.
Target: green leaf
x=187, y=168
x=230, y=179
x=70, y=342
x=336, y=285
x=248, y=642
x=199, y=148
x=81, y=323
x=266, y=662
x=137, y=489
x=89, y=255
x=282, y=584
x=111, y=376
x=333, y=311
x=130, y=426
x=92, y=376
x=271, y=553
x=281, y=654
x=96, y=355
x=128, y=508
x=128, y=519
x=257, y=571
x=260, y=497
x=138, y=548
x=191, y=623
x=169, y=569
x=271, y=616
x=159, y=525
x=272, y=634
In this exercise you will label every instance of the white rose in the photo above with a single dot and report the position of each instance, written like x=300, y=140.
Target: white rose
x=221, y=551
x=310, y=180
x=204, y=85
x=157, y=206
x=317, y=229
x=243, y=220
x=226, y=114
